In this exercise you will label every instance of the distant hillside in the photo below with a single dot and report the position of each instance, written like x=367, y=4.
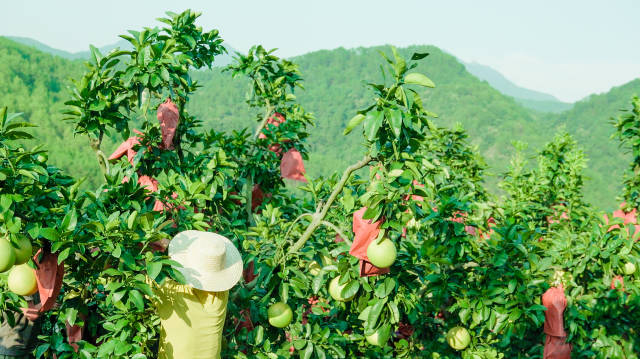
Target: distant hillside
x=34, y=83
x=529, y=98
x=335, y=83
x=222, y=60
x=589, y=122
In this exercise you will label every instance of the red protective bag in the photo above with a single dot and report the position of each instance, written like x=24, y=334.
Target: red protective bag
x=49, y=275
x=75, y=332
x=169, y=117
x=617, y=280
x=257, y=197
x=555, y=343
x=368, y=270
x=126, y=148
x=292, y=167
x=365, y=232
x=628, y=217
x=276, y=119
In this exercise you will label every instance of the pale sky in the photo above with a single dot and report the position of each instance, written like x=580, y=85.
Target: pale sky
x=566, y=48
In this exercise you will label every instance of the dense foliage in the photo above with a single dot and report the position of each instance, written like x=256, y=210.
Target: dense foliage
x=466, y=259
x=491, y=119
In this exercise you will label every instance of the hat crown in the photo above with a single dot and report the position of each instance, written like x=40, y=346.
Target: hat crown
x=213, y=256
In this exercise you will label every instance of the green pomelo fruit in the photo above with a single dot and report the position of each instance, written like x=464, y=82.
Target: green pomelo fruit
x=382, y=255
x=24, y=250
x=335, y=290
x=22, y=280
x=7, y=255
x=280, y=314
x=458, y=338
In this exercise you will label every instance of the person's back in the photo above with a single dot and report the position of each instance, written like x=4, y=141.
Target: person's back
x=192, y=321
x=192, y=315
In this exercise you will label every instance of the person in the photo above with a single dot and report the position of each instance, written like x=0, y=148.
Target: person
x=192, y=315
x=19, y=341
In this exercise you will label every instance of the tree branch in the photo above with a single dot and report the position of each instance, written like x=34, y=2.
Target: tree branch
x=318, y=217
x=338, y=231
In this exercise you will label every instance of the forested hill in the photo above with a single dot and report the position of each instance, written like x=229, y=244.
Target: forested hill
x=35, y=84
x=335, y=80
x=335, y=88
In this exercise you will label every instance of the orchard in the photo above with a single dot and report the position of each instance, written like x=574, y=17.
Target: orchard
x=403, y=254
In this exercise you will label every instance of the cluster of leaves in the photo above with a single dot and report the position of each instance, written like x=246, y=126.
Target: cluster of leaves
x=628, y=131
x=551, y=191
x=34, y=196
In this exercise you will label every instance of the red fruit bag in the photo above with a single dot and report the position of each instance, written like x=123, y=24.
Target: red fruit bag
x=126, y=148
x=555, y=344
x=275, y=120
x=257, y=196
x=365, y=232
x=169, y=117
x=49, y=276
x=617, y=280
x=292, y=167
x=369, y=270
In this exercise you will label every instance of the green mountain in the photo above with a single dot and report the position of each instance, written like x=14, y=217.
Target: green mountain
x=335, y=88
x=534, y=100
x=222, y=60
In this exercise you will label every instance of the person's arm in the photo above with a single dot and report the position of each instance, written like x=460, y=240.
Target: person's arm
x=32, y=312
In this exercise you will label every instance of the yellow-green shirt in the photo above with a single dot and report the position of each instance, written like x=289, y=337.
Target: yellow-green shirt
x=192, y=321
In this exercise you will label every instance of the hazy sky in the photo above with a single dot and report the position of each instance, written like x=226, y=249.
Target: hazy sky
x=569, y=49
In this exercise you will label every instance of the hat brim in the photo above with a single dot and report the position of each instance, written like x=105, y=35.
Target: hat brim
x=183, y=249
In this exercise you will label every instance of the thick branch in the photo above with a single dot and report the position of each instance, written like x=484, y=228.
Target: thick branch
x=102, y=159
x=318, y=217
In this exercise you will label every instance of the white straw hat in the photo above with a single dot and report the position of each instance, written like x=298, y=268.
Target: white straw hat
x=209, y=261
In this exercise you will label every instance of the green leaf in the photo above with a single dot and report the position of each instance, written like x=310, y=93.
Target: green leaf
x=419, y=56
x=350, y=289
x=309, y=351
x=372, y=123
x=374, y=314
x=153, y=269
x=416, y=78
x=395, y=121
x=355, y=121
x=136, y=298
x=50, y=234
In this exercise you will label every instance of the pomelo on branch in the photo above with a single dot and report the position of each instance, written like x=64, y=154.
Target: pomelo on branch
x=22, y=280
x=629, y=268
x=280, y=314
x=335, y=290
x=378, y=338
x=383, y=254
x=7, y=255
x=24, y=250
x=458, y=338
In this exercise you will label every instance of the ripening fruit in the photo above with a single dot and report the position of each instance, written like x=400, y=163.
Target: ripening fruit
x=377, y=338
x=7, y=255
x=382, y=255
x=629, y=268
x=458, y=338
x=24, y=250
x=335, y=290
x=22, y=280
x=280, y=314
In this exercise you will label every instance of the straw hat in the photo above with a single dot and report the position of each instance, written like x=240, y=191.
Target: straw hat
x=209, y=261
